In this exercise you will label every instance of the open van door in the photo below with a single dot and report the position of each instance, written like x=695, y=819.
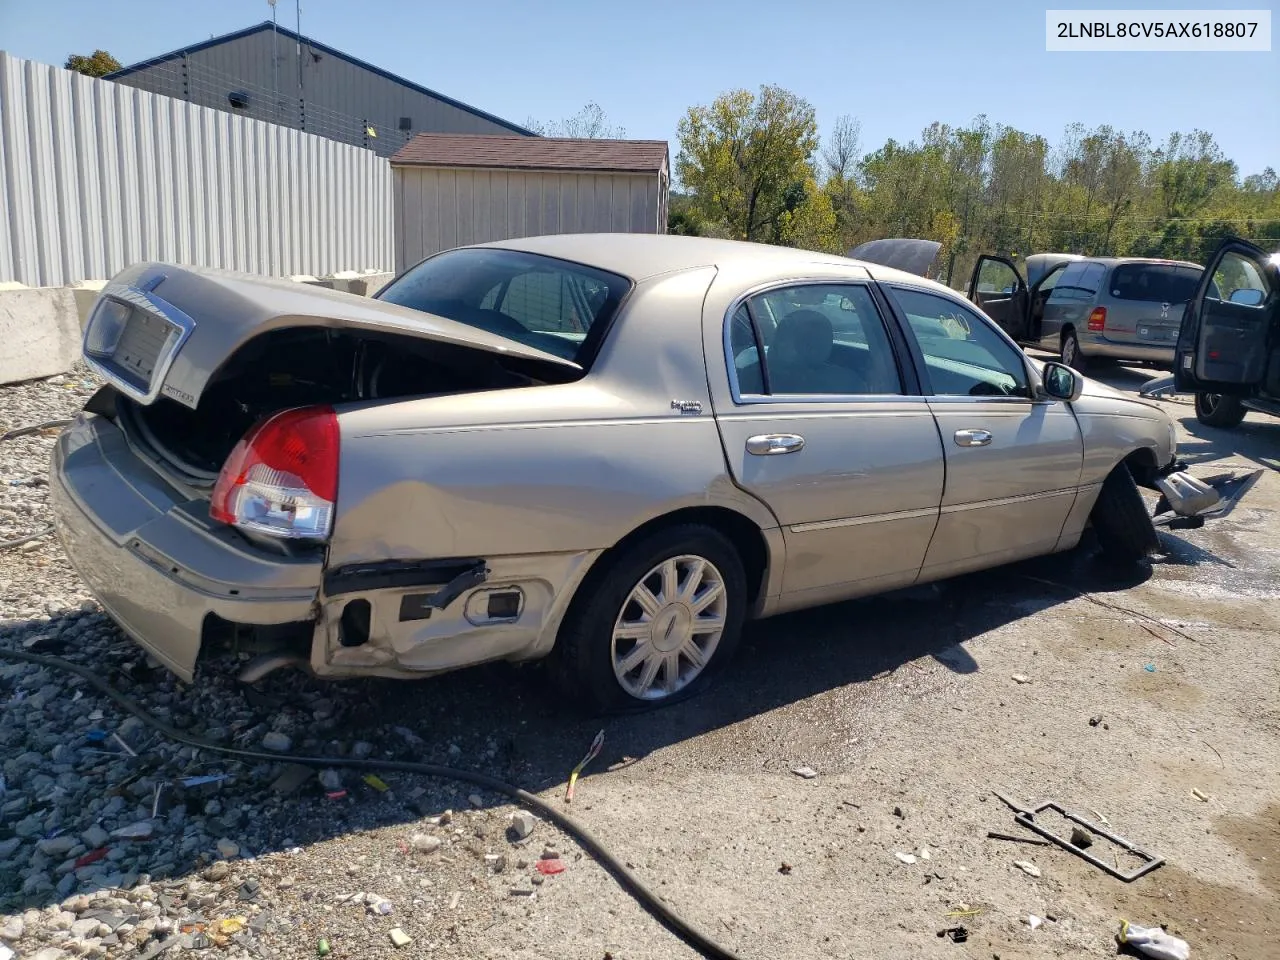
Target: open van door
x=998, y=289
x=1231, y=325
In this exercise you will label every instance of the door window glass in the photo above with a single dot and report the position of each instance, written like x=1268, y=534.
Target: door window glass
x=1079, y=283
x=997, y=277
x=963, y=354
x=818, y=339
x=1154, y=282
x=1239, y=281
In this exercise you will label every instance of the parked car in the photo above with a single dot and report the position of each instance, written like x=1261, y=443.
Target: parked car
x=1087, y=308
x=1228, y=351
x=610, y=450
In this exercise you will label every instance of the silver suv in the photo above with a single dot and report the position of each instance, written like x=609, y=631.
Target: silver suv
x=1087, y=308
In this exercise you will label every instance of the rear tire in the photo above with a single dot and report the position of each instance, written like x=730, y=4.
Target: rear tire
x=592, y=652
x=1071, y=355
x=1217, y=410
x=1121, y=521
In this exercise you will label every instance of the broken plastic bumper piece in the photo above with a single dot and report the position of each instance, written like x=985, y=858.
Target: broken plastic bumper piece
x=1186, y=502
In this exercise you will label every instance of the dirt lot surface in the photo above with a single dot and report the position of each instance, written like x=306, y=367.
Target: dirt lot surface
x=1152, y=701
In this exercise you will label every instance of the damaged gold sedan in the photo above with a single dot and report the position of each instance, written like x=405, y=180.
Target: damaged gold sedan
x=607, y=449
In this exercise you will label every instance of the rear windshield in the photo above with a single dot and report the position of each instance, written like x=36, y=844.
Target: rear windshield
x=552, y=305
x=1157, y=282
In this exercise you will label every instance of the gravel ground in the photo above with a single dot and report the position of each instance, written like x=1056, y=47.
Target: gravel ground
x=909, y=709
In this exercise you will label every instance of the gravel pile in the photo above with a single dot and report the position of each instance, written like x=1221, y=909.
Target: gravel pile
x=115, y=841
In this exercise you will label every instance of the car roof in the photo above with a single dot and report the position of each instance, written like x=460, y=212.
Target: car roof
x=644, y=255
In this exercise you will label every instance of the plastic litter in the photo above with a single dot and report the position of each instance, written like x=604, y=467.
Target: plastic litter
x=229, y=927
x=322, y=948
x=550, y=867
x=376, y=782
x=592, y=752
x=1153, y=942
x=1150, y=668
x=1033, y=921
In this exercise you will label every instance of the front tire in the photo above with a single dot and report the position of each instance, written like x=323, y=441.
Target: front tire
x=1218, y=410
x=1071, y=355
x=655, y=624
x=1121, y=521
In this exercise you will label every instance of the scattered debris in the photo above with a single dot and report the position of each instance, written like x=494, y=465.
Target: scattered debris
x=897, y=812
x=277, y=742
x=905, y=857
x=399, y=938
x=291, y=778
x=924, y=853
x=1081, y=837
x=804, y=773
x=330, y=780
x=1034, y=922
x=228, y=849
x=1150, y=668
x=229, y=926
x=1020, y=678
x=250, y=889
x=424, y=843
x=1149, y=860
x=551, y=867
x=1153, y=942
x=955, y=934
x=522, y=824
x=592, y=752
x=376, y=782
x=521, y=891
x=476, y=800
x=1200, y=795
x=1035, y=841
x=322, y=948
x=1027, y=867
x=785, y=869
x=1095, y=720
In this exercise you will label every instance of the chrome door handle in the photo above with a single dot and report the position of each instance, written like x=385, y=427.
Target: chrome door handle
x=973, y=438
x=770, y=444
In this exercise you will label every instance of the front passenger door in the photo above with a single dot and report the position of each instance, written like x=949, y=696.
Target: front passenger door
x=1232, y=325
x=998, y=288
x=1013, y=462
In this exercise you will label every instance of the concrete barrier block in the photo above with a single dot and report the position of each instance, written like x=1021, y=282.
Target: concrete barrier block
x=40, y=330
x=86, y=295
x=370, y=283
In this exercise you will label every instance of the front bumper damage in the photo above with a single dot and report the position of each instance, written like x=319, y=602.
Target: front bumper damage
x=1186, y=502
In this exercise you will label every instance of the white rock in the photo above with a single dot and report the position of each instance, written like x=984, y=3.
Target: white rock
x=1034, y=921
x=1027, y=867
x=924, y=853
x=424, y=843
x=1021, y=678
x=805, y=773
x=906, y=857
x=228, y=849
x=13, y=928
x=85, y=928
x=277, y=741
x=522, y=823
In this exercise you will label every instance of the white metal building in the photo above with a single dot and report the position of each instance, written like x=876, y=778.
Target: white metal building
x=452, y=190
x=270, y=73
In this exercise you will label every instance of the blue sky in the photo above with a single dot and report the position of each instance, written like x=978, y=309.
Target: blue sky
x=895, y=66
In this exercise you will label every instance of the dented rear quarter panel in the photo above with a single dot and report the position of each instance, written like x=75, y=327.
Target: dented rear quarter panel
x=550, y=469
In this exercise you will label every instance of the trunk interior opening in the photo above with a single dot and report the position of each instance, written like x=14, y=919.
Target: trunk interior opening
x=301, y=366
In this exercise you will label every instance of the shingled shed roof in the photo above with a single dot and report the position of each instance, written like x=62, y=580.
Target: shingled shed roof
x=493, y=151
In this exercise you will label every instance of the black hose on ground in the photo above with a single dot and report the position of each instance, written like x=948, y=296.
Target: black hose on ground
x=647, y=898
x=13, y=435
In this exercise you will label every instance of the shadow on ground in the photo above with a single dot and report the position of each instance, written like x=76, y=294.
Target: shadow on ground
x=509, y=723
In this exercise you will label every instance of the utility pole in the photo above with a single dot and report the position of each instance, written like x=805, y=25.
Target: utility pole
x=275, y=63
x=302, y=90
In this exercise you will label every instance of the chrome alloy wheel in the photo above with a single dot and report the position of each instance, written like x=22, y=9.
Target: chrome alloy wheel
x=669, y=627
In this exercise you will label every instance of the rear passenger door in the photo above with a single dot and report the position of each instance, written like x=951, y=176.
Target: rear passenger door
x=1070, y=302
x=1230, y=337
x=1013, y=461
x=823, y=422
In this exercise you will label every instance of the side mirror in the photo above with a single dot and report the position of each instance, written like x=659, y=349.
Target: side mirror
x=1061, y=382
x=1247, y=296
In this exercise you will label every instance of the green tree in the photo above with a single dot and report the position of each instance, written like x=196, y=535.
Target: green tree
x=745, y=159
x=97, y=64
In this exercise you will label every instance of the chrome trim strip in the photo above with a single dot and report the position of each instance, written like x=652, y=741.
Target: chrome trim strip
x=1005, y=501
x=143, y=300
x=859, y=521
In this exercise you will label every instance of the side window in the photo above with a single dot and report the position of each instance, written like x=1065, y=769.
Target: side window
x=1238, y=281
x=1074, y=286
x=818, y=339
x=998, y=278
x=1050, y=281
x=1094, y=274
x=963, y=354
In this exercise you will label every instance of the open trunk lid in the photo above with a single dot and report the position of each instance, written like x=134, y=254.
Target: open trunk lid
x=164, y=331
x=900, y=253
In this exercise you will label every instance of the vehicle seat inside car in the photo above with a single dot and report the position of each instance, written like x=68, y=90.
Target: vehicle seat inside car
x=800, y=357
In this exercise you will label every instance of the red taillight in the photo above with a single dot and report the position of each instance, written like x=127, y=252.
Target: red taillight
x=1098, y=319
x=282, y=477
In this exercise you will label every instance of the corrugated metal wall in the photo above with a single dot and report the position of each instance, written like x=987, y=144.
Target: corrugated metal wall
x=95, y=176
x=437, y=208
x=341, y=98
